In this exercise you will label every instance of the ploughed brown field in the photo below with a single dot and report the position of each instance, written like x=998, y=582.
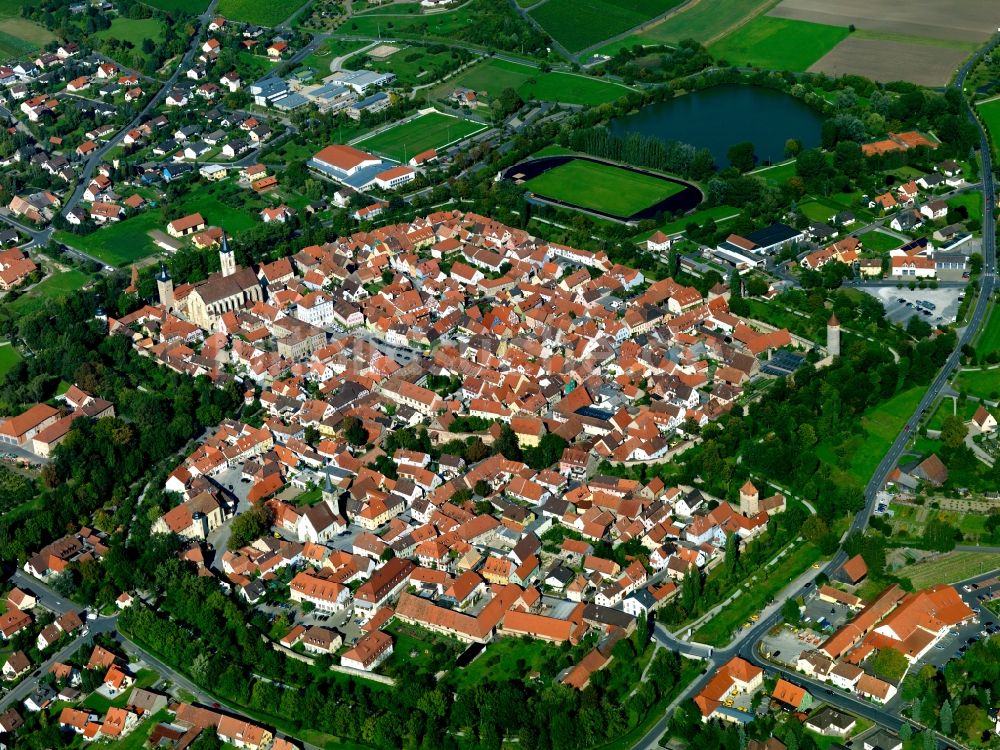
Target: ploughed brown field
x=884, y=60
x=957, y=20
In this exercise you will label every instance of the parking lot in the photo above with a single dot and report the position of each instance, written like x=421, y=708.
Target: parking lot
x=933, y=305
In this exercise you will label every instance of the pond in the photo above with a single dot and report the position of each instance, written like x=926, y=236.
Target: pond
x=718, y=117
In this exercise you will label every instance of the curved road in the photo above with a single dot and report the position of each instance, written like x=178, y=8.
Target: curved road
x=745, y=642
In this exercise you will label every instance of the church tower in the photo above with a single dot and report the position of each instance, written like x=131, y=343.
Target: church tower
x=165, y=287
x=228, y=257
x=833, y=337
x=328, y=492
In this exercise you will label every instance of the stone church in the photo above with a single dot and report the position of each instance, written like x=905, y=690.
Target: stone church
x=205, y=302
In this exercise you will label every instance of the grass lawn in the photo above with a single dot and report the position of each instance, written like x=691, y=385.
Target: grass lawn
x=394, y=9
x=433, y=130
x=57, y=286
x=501, y=658
x=319, y=60
x=254, y=11
x=949, y=568
x=819, y=209
x=187, y=6
x=602, y=187
x=945, y=408
x=493, y=76
x=719, y=630
x=9, y=357
x=137, y=739
x=144, y=679
x=128, y=241
x=990, y=114
x=718, y=214
x=879, y=242
x=989, y=339
x=578, y=24
x=134, y=30
x=412, y=66
x=972, y=202
x=447, y=26
x=19, y=36
x=779, y=43
x=860, y=455
x=251, y=66
x=777, y=173
x=982, y=383
x=310, y=497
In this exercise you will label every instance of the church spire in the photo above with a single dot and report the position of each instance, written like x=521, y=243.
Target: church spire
x=227, y=257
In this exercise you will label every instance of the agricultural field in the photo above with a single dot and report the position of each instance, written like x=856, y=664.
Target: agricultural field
x=706, y=21
x=989, y=339
x=193, y=7
x=254, y=11
x=433, y=130
x=56, y=286
x=19, y=36
x=602, y=187
x=990, y=113
x=884, y=59
x=134, y=30
x=579, y=24
x=948, y=568
x=968, y=21
x=778, y=43
x=493, y=76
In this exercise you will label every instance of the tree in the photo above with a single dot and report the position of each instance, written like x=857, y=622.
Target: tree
x=248, y=526
x=756, y=286
x=482, y=488
x=311, y=435
x=741, y=156
x=953, y=431
x=945, y=718
x=506, y=444
x=968, y=721
x=355, y=432
x=790, y=612
x=732, y=553
x=889, y=664
x=814, y=529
